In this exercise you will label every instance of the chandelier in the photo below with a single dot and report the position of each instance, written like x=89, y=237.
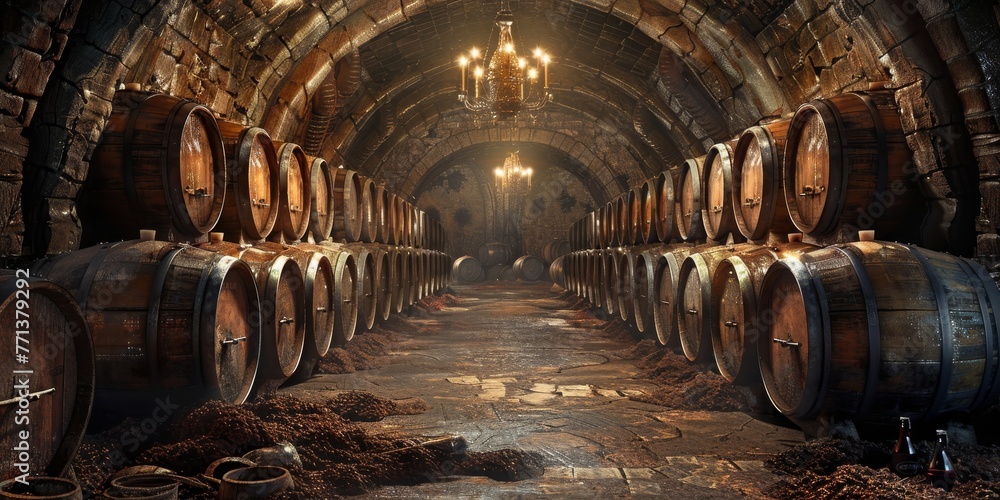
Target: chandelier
x=512, y=178
x=504, y=84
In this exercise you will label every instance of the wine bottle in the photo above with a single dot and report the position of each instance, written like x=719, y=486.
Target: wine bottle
x=940, y=471
x=904, y=456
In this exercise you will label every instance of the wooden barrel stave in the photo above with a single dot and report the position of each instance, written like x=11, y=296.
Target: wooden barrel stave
x=61, y=357
x=666, y=223
x=347, y=206
x=166, y=321
x=250, y=209
x=382, y=215
x=758, y=187
x=648, y=205
x=321, y=212
x=369, y=224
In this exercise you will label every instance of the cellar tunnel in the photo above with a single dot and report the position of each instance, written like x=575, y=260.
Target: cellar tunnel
x=681, y=187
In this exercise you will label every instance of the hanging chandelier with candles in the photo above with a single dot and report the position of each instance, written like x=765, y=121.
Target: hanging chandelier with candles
x=512, y=177
x=502, y=83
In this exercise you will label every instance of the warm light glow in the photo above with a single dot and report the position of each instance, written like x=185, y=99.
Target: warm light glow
x=545, y=59
x=508, y=47
x=539, y=53
x=533, y=74
x=463, y=61
x=478, y=72
x=474, y=53
x=521, y=63
x=499, y=172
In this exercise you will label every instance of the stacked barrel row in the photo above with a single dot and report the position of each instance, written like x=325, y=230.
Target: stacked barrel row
x=866, y=329
x=169, y=165
x=494, y=263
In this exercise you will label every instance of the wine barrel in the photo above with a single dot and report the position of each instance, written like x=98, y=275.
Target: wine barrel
x=634, y=207
x=876, y=330
x=625, y=285
x=61, y=357
x=610, y=222
x=689, y=200
x=735, y=288
x=597, y=274
x=623, y=220
x=669, y=267
x=609, y=292
x=694, y=299
x=529, y=268
x=383, y=282
x=382, y=216
x=557, y=271
x=666, y=224
x=318, y=287
x=369, y=225
x=283, y=306
x=399, y=277
x=295, y=191
x=252, y=193
x=160, y=165
x=554, y=249
x=758, y=195
x=345, y=289
x=493, y=253
x=467, y=269
x=406, y=222
x=717, y=212
x=367, y=284
x=644, y=292
x=347, y=205
x=398, y=219
x=648, y=211
x=419, y=225
x=167, y=321
x=845, y=163
x=321, y=212
x=599, y=227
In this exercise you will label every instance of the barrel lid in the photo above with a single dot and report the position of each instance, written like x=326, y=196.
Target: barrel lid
x=345, y=273
x=807, y=166
x=233, y=319
x=283, y=338
x=689, y=201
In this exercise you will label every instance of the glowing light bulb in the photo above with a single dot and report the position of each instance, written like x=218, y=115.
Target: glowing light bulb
x=478, y=72
x=474, y=53
x=533, y=73
x=521, y=63
x=463, y=61
x=508, y=47
x=539, y=53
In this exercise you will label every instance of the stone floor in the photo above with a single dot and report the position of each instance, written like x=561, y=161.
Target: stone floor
x=514, y=366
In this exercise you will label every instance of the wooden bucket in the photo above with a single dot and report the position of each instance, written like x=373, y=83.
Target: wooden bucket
x=43, y=317
x=160, y=165
x=347, y=205
x=718, y=213
x=321, y=214
x=295, y=190
x=168, y=322
x=280, y=283
x=252, y=193
x=845, y=163
x=735, y=288
x=689, y=200
x=758, y=195
x=876, y=330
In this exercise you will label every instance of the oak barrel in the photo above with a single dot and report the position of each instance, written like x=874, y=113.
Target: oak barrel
x=596, y=275
x=648, y=211
x=718, y=213
x=367, y=284
x=345, y=290
x=318, y=287
x=846, y=163
x=252, y=193
x=167, y=321
x=383, y=218
x=283, y=306
x=610, y=286
x=689, y=200
x=876, y=330
x=634, y=206
x=347, y=205
x=46, y=326
x=321, y=212
x=295, y=200
x=557, y=271
x=529, y=268
x=398, y=219
x=758, y=192
x=623, y=220
x=668, y=268
x=609, y=221
x=493, y=253
x=735, y=288
x=500, y=272
x=369, y=224
x=665, y=221
x=554, y=249
x=625, y=285
x=399, y=277
x=644, y=292
x=468, y=269
x=160, y=164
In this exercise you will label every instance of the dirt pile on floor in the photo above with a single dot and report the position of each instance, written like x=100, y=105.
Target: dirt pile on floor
x=857, y=469
x=338, y=456
x=366, y=351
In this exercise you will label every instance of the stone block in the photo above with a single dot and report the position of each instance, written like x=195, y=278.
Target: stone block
x=26, y=72
x=947, y=37
x=10, y=104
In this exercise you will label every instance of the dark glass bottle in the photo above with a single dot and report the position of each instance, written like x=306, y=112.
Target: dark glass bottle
x=939, y=471
x=904, y=456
